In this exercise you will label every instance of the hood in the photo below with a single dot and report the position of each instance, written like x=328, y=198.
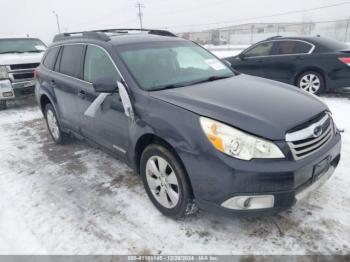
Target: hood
x=24, y=58
x=259, y=106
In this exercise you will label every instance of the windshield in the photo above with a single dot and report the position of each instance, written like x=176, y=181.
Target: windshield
x=161, y=65
x=21, y=45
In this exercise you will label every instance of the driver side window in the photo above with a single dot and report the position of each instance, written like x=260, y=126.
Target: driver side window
x=98, y=64
x=263, y=49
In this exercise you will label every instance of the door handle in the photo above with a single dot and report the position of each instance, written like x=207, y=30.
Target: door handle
x=82, y=94
x=53, y=83
x=261, y=60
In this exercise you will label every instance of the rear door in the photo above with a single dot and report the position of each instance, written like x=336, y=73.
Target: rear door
x=285, y=60
x=110, y=126
x=252, y=61
x=46, y=70
x=65, y=84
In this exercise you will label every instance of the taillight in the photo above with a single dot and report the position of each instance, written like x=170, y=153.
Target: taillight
x=345, y=60
x=36, y=73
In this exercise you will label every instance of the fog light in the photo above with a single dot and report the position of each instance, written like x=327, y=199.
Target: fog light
x=249, y=202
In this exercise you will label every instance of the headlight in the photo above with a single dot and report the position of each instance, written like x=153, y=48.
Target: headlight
x=3, y=72
x=237, y=143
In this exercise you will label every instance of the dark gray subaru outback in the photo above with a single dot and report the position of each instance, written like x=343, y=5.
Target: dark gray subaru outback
x=199, y=134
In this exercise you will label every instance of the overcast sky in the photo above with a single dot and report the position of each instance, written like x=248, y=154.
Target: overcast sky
x=20, y=17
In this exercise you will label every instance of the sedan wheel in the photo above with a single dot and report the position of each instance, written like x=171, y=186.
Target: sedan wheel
x=311, y=82
x=162, y=181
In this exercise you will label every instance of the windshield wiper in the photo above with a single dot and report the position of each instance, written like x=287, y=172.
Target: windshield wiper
x=34, y=51
x=211, y=78
x=171, y=86
x=11, y=52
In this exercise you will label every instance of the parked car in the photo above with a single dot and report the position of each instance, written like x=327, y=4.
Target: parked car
x=314, y=64
x=199, y=134
x=18, y=59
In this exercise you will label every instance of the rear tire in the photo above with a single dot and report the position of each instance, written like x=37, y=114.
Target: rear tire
x=166, y=182
x=53, y=125
x=311, y=82
x=3, y=104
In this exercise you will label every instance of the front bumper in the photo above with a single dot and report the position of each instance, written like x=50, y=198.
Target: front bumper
x=9, y=90
x=286, y=180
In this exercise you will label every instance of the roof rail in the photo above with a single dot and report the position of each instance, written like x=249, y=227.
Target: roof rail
x=126, y=30
x=75, y=35
x=273, y=37
x=103, y=36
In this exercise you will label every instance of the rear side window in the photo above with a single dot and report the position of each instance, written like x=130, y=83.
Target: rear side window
x=263, y=49
x=291, y=48
x=50, y=57
x=71, y=60
x=98, y=64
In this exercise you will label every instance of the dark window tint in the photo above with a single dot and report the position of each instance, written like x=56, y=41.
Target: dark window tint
x=58, y=60
x=50, y=58
x=263, y=49
x=291, y=47
x=71, y=60
x=98, y=64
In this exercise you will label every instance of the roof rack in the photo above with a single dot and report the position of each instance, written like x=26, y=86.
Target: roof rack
x=102, y=34
x=273, y=37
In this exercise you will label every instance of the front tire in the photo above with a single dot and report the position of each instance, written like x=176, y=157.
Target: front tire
x=58, y=136
x=3, y=104
x=166, y=182
x=311, y=82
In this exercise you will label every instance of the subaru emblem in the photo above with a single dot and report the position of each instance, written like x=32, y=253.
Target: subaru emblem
x=317, y=131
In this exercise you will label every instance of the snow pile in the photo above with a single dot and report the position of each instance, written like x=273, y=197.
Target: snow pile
x=75, y=199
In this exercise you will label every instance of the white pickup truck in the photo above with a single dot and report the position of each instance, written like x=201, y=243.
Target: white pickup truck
x=18, y=59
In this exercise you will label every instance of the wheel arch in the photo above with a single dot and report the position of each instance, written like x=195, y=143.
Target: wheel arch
x=311, y=69
x=148, y=139
x=44, y=100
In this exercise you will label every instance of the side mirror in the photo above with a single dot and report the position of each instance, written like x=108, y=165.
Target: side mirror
x=242, y=56
x=105, y=85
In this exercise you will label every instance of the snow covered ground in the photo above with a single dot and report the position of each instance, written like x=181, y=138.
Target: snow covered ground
x=226, y=50
x=75, y=199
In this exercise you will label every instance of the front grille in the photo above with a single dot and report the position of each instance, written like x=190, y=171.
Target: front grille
x=21, y=72
x=24, y=66
x=24, y=91
x=305, y=142
x=23, y=76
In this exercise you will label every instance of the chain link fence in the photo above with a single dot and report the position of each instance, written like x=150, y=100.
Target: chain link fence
x=246, y=34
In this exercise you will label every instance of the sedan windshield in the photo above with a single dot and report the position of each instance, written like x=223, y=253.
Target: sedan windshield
x=21, y=45
x=163, y=65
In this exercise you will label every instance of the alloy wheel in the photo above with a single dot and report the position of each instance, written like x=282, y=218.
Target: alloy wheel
x=52, y=124
x=162, y=182
x=310, y=83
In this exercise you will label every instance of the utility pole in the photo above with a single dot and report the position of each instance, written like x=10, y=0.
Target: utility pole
x=58, y=21
x=140, y=14
x=346, y=30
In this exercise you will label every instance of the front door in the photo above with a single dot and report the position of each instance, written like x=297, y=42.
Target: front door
x=109, y=126
x=252, y=61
